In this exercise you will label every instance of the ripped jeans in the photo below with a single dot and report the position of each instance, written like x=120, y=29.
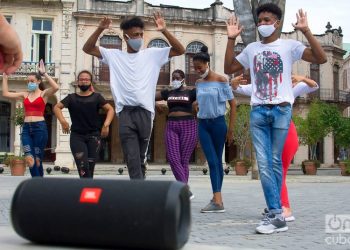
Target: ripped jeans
x=34, y=139
x=85, y=148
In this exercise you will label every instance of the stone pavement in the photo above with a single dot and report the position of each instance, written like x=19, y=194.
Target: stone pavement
x=312, y=198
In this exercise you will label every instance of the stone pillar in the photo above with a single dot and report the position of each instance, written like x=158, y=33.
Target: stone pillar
x=328, y=151
x=178, y=62
x=66, y=73
x=17, y=137
x=139, y=7
x=218, y=53
x=302, y=154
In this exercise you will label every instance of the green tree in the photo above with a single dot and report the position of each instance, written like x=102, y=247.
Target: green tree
x=241, y=134
x=321, y=120
x=342, y=133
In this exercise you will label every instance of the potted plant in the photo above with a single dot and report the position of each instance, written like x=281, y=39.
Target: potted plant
x=241, y=137
x=241, y=166
x=345, y=167
x=319, y=122
x=342, y=141
x=17, y=162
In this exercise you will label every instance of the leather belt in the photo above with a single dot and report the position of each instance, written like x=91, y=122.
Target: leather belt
x=270, y=106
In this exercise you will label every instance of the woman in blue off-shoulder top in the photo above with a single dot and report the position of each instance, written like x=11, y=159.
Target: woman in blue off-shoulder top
x=213, y=91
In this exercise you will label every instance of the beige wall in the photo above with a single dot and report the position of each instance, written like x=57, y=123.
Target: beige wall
x=72, y=28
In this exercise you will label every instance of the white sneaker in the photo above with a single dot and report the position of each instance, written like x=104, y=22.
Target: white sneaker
x=289, y=218
x=272, y=224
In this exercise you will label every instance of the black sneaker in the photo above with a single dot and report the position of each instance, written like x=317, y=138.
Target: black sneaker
x=265, y=212
x=272, y=224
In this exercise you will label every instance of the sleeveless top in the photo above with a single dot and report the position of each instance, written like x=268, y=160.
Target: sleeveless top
x=34, y=108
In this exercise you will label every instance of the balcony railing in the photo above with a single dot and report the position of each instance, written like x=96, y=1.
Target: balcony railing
x=331, y=95
x=127, y=9
x=29, y=67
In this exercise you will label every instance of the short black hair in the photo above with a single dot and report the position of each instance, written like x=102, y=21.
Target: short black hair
x=202, y=55
x=86, y=72
x=180, y=72
x=132, y=22
x=270, y=7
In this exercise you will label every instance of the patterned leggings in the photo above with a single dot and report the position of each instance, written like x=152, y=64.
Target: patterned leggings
x=180, y=140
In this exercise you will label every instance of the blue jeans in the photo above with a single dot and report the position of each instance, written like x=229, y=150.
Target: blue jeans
x=212, y=136
x=269, y=128
x=34, y=139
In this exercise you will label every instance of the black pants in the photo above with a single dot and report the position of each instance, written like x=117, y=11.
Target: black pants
x=85, y=148
x=135, y=126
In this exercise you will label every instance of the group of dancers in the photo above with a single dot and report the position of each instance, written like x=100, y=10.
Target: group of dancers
x=133, y=79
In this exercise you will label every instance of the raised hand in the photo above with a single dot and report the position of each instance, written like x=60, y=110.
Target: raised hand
x=301, y=23
x=159, y=21
x=233, y=27
x=104, y=23
x=41, y=67
x=235, y=82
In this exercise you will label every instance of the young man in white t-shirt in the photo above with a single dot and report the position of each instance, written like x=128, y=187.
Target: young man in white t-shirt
x=134, y=75
x=270, y=63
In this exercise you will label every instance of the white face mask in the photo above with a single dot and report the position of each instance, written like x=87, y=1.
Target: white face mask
x=267, y=29
x=205, y=74
x=176, y=84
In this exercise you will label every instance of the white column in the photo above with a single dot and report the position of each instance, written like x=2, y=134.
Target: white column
x=66, y=73
x=302, y=154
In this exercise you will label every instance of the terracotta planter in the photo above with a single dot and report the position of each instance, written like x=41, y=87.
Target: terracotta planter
x=342, y=166
x=310, y=168
x=240, y=168
x=18, y=167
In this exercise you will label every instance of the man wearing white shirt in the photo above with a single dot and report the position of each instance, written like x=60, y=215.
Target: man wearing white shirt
x=270, y=62
x=134, y=75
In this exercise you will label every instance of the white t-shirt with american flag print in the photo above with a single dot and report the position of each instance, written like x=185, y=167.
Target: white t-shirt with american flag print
x=271, y=69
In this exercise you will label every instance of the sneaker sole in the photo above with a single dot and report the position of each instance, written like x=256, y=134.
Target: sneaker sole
x=277, y=230
x=216, y=211
x=289, y=219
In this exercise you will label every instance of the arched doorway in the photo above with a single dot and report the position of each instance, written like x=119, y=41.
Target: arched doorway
x=5, y=126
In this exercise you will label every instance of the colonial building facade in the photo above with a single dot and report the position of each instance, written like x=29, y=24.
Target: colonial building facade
x=57, y=31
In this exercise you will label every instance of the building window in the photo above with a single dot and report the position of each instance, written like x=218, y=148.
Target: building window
x=8, y=19
x=164, y=74
x=5, y=115
x=101, y=70
x=41, y=42
x=315, y=75
x=336, y=82
x=345, y=79
x=191, y=50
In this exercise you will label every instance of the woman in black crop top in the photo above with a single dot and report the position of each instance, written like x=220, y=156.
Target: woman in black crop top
x=181, y=128
x=86, y=128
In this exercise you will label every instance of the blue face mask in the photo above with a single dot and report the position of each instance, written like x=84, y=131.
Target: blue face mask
x=135, y=43
x=32, y=86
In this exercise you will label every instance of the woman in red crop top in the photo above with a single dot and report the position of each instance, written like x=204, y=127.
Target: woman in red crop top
x=34, y=132
x=181, y=127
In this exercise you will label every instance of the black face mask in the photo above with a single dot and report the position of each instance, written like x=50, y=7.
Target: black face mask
x=84, y=87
